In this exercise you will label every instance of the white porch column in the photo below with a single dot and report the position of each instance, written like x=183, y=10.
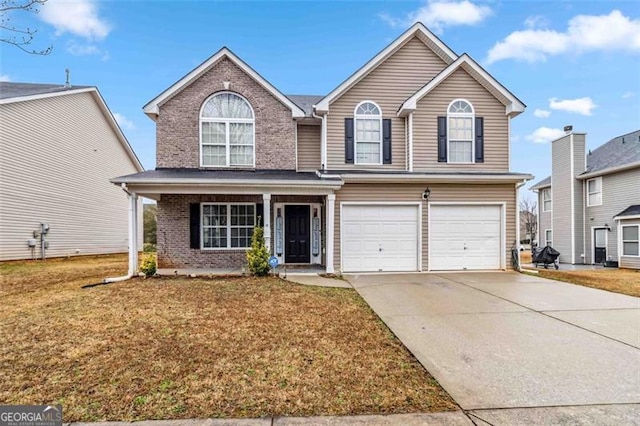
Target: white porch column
x=133, y=233
x=331, y=207
x=266, y=198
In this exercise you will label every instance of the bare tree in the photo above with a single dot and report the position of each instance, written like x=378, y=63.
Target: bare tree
x=20, y=37
x=529, y=217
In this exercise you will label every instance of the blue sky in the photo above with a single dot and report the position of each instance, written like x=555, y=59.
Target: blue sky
x=571, y=62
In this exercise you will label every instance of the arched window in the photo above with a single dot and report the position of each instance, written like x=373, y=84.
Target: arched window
x=460, y=117
x=227, y=132
x=368, y=133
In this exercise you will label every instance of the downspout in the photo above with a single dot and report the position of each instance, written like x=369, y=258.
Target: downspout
x=133, y=238
x=323, y=140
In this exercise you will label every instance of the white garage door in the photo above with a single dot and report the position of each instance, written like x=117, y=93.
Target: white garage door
x=465, y=237
x=379, y=238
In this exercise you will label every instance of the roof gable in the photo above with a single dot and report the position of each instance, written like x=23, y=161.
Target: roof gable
x=417, y=30
x=513, y=106
x=152, y=108
x=23, y=92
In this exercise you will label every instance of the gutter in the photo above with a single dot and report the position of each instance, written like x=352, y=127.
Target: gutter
x=608, y=171
x=445, y=178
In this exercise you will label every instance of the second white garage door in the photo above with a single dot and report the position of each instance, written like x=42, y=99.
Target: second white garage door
x=465, y=237
x=380, y=238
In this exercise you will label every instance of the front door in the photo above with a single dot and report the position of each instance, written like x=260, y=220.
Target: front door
x=297, y=234
x=600, y=245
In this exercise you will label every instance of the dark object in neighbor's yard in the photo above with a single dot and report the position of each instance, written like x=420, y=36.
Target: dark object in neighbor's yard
x=547, y=256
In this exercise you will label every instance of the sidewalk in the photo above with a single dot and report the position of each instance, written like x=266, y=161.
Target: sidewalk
x=453, y=418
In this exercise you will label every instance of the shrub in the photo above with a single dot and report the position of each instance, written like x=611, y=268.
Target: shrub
x=148, y=266
x=149, y=248
x=258, y=256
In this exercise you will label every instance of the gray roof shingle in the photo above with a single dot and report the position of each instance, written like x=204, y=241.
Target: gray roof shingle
x=305, y=102
x=188, y=174
x=543, y=183
x=630, y=211
x=619, y=151
x=10, y=89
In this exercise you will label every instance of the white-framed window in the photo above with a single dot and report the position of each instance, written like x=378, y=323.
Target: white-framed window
x=594, y=192
x=460, y=122
x=227, y=226
x=630, y=240
x=368, y=133
x=548, y=237
x=546, y=200
x=227, y=132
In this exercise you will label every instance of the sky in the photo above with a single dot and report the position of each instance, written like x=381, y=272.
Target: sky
x=571, y=62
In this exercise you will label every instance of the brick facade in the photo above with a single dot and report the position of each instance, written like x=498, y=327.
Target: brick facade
x=173, y=237
x=178, y=124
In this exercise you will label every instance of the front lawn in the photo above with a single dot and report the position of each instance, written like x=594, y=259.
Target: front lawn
x=625, y=281
x=195, y=348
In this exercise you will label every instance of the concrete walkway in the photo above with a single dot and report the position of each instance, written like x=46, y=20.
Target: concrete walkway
x=502, y=342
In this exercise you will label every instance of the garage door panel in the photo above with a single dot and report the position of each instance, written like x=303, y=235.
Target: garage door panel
x=380, y=238
x=465, y=237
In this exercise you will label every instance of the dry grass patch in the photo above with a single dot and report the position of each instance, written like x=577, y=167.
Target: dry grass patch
x=625, y=281
x=194, y=348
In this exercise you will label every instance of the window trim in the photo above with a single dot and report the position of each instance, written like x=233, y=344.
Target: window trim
x=595, y=179
x=228, y=227
x=227, y=121
x=356, y=117
x=546, y=239
x=472, y=116
x=622, y=240
x=542, y=192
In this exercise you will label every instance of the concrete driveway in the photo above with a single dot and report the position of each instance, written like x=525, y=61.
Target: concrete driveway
x=505, y=340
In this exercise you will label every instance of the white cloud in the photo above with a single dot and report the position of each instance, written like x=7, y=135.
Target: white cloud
x=545, y=135
x=541, y=113
x=584, y=33
x=438, y=14
x=628, y=95
x=78, y=49
x=582, y=106
x=123, y=121
x=78, y=17
x=4, y=77
x=537, y=21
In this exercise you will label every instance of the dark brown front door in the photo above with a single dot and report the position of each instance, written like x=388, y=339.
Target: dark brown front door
x=297, y=234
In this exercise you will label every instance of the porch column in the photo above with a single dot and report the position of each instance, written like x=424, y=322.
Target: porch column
x=266, y=211
x=331, y=207
x=133, y=233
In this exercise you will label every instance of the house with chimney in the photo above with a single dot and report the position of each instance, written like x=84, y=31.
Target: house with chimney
x=589, y=208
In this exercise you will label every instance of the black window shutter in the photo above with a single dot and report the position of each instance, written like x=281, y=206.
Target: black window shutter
x=386, y=141
x=479, y=140
x=260, y=214
x=442, y=139
x=194, y=225
x=348, y=140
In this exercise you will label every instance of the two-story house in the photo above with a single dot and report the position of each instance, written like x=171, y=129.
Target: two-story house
x=404, y=166
x=589, y=208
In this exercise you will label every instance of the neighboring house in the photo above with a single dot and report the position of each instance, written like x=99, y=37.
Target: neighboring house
x=588, y=207
x=404, y=166
x=58, y=148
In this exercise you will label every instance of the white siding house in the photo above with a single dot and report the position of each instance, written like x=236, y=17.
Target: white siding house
x=59, y=146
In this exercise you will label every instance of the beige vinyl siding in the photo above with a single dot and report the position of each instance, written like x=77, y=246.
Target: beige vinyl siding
x=619, y=191
x=389, y=85
x=458, y=193
x=561, y=187
x=56, y=158
x=460, y=85
x=544, y=219
x=631, y=262
x=308, y=147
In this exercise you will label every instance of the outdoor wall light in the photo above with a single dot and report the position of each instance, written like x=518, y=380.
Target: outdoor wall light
x=608, y=228
x=426, y=194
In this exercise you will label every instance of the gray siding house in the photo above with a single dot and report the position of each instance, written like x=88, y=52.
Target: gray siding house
x=58, y=148
x=588, y=207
